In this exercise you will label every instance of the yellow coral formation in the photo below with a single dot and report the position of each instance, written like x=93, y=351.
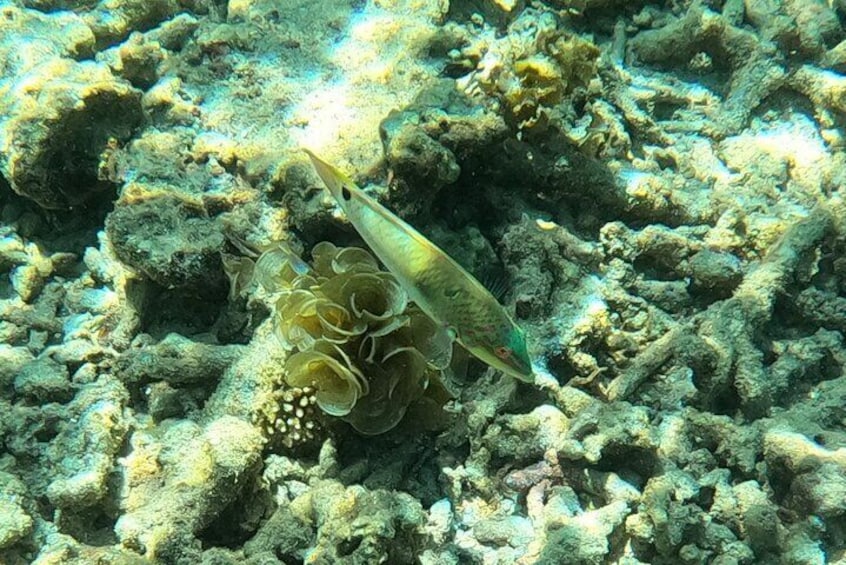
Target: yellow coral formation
x=563, y=62
x=533, y=78
x=365, y=351
x=295, y=421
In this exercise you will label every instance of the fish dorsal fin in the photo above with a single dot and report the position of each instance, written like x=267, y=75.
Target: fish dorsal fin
x=496, y=283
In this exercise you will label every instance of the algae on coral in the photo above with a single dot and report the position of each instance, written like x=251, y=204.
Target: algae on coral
x=356, y=340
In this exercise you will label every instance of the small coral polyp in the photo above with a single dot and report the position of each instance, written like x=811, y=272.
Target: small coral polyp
x=356, y=340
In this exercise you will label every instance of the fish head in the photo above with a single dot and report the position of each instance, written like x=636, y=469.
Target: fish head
x=337, y=182
x=507, y=352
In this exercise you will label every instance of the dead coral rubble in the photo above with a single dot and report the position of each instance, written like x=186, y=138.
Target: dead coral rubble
x=61, y=115
x=167, y=238
x=699, y=312
x=727, y=330
x=754, y=66
x=670, y=217
x=57, y=107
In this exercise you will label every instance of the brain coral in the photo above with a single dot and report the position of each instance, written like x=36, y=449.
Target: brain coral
x=367, y=353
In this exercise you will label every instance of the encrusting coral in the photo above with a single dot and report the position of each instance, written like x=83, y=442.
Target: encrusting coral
x=534, y=73
x=367, y=353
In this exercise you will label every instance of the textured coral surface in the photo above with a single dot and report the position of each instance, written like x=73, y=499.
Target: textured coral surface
x=200, y=363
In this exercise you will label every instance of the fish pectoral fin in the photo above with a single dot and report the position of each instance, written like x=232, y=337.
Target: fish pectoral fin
x=452, y=292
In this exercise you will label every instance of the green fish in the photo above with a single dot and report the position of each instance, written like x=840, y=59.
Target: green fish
x=440, y=286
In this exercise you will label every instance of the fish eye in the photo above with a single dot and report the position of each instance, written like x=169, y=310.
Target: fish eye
x=345, y=193
x=503, y=352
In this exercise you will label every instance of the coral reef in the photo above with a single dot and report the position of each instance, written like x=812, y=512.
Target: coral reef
x=166, y=479
x=754, y=69
x=532, y=71
x=171, y=240
x=52, y=100
x=50, y=106
x=659, y=186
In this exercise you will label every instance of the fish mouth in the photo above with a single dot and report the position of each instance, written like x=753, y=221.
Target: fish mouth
x=330, y=176
x=525, y=375
x=521, y=369
x=518, y=370
x=514, y=367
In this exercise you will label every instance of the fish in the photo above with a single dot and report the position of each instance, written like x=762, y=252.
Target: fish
x=439, y=286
